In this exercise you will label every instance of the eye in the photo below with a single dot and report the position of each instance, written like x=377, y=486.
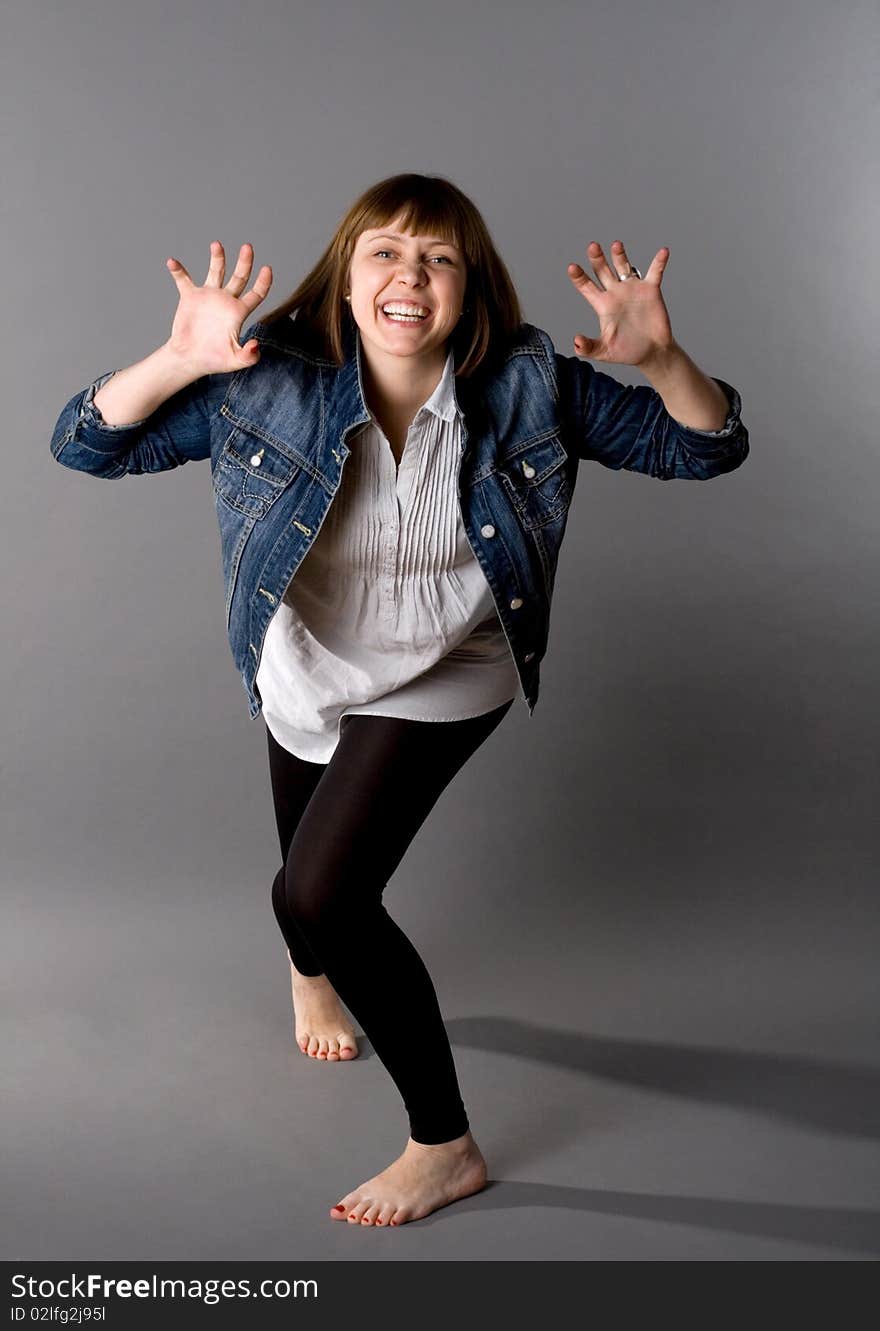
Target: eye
x=436, y=256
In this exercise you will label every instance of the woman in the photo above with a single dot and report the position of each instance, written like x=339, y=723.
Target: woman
x=396, y=421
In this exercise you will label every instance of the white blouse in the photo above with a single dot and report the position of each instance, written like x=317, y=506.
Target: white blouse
x=389, y=613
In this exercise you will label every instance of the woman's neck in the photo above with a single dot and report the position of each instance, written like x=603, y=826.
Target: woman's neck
x=395, y=389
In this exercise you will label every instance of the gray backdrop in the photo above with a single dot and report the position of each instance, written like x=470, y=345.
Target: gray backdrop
x=649, y=910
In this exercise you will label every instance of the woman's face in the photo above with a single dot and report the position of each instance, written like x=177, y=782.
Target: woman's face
x=409, y=271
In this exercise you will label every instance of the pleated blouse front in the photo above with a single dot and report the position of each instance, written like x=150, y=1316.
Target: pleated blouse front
x=389, y=613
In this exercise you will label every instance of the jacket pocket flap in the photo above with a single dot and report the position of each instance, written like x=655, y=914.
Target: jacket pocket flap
x=258, y=454
x=533, y=460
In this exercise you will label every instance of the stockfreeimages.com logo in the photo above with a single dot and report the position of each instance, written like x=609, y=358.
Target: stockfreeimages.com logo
x=100, y=1288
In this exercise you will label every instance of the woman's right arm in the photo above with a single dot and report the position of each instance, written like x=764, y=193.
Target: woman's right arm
x=175, y=426
x=157, y=413
x=133, y=394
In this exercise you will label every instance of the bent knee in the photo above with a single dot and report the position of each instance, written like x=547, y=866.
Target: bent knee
x=314, y=898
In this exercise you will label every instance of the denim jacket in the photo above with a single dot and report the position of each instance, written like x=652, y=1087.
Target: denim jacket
x=276, y=435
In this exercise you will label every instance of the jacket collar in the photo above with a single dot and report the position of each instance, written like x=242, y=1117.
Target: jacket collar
x=344, y=401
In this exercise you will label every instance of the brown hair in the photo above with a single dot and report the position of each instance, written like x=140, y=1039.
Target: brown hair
x=425, y=204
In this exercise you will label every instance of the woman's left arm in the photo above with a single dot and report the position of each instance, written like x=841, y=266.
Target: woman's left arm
x=634, y=329
x=690, y=397
x=674, y=428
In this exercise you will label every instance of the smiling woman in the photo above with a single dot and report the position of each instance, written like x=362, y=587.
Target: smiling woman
x=393, y=456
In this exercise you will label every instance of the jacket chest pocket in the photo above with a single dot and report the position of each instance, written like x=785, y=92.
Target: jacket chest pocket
x=535, y=477
x=252, y=472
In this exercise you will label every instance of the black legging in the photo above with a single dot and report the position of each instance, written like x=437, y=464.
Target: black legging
x=344, y=827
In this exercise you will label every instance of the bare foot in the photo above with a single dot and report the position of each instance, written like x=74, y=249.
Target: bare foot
x=322, y=1028
x=420, y=1181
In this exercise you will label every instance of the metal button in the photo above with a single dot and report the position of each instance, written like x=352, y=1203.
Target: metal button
x=257, y=459
x=528, y=470
x=487, y=530
x=516, y=603
x=528, y=656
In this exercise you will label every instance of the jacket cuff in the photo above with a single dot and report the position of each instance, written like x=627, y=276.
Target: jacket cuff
x=732, y=424
x=90, y=428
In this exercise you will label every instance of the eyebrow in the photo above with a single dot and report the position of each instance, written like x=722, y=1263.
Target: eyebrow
x=390, y=235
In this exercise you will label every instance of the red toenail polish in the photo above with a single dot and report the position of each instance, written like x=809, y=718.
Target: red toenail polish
x=340, y=1207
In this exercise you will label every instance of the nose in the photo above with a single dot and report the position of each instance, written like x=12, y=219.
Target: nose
x=411, y=272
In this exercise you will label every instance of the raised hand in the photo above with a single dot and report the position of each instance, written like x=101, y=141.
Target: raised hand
x=208, y=320
x=633, y=320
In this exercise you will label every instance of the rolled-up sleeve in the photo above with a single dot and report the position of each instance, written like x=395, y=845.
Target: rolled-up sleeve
x=628, y=427
x=179, y=431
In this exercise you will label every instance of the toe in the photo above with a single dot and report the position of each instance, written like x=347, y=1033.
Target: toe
x=344, y=1206
x=303, y=1042
x=313, y=1046
x=385, y=1215
x=355, y=1212
x=322, y=1048
x=371, y=1214
x=332, y=1050
x=347, y=1046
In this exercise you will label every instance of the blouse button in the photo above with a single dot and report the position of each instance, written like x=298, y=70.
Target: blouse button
x=487, y=530
x=516, y=603
x=528, y=656
x=528, y=470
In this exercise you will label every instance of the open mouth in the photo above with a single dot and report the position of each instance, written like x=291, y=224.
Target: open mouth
x=403, y=320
